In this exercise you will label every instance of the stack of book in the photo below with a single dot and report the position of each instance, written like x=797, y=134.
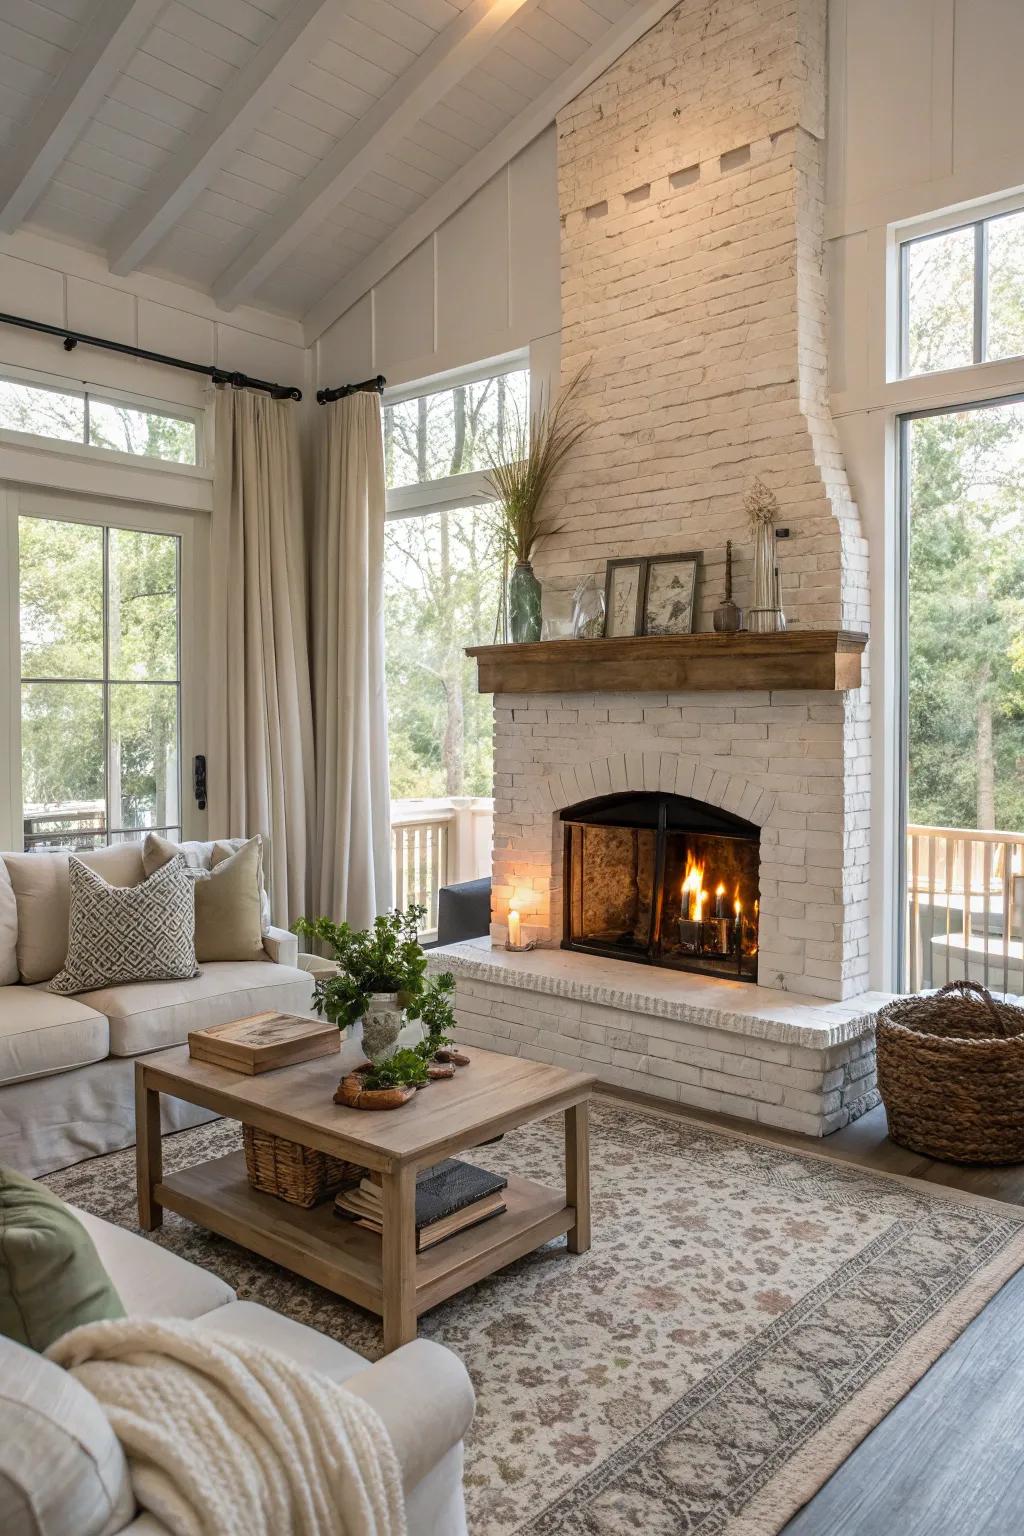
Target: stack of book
x=450, y=1197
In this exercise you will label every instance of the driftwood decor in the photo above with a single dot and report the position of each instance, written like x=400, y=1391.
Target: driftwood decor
x=353, y=1095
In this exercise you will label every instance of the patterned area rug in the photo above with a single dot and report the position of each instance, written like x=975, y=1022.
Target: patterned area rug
x=745, y=1316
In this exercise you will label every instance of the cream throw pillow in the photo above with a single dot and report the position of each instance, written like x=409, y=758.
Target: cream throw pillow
x=229, y=920
x=202, y=856
x=42, y=893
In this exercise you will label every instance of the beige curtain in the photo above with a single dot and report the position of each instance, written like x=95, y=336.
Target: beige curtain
x=260, y=730
x=353, y=831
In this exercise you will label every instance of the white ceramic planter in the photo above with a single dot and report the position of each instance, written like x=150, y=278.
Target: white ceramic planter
x=384, y=1028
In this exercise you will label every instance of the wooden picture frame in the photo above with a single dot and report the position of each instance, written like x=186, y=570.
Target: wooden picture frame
x=670, y=593
x=624, y=600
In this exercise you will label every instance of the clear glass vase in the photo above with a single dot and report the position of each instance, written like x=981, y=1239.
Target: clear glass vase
x=524, y=604
x=588, y=617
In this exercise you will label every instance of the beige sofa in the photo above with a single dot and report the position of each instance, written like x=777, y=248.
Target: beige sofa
x=66, y=1063
x=62, y=1472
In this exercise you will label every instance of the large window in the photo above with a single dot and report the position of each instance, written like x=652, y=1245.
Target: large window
x=80, y=416
x=100, y=682
x=962, y=295
x=443, y=579
x=963, y=504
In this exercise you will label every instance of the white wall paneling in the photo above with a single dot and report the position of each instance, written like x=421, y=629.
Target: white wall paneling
x=484, y=284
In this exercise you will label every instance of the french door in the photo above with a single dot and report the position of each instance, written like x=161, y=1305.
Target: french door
x=962, y=496
x=101, y=641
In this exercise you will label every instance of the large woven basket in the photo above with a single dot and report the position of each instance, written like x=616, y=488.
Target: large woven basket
x=301, y=1175
x=951, y=1074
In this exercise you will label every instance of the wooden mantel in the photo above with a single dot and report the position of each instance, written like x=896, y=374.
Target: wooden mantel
x=825, y=659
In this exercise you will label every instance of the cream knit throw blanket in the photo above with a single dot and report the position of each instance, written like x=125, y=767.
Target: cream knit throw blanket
x=226, y=1438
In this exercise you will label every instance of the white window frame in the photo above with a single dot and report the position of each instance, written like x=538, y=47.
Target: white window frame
x=59, y=507
x=943, y=224
x=465, y=490
x=200, y=418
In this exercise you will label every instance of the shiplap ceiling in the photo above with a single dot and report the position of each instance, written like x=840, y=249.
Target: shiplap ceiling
x=279, y=152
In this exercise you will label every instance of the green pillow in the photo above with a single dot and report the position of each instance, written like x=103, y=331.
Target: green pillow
x=51, y=1278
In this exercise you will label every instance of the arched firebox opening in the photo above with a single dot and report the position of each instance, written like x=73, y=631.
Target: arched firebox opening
x=665, y=880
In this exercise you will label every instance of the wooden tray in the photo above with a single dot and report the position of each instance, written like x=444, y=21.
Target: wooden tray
x=263, y=1042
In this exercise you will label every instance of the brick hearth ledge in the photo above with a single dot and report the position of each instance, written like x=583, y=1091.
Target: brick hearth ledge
x=802, y=1063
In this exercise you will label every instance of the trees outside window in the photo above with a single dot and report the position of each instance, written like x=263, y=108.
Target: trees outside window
x=965, y=518
x=100, y=682
x=443, y=582
x=962, y=295
x=82, y=417
x=963, y=303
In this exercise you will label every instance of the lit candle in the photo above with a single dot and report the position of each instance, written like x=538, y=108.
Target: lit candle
x=737, y=907
x=702, y=897
x=513, y=928
x=720, y=901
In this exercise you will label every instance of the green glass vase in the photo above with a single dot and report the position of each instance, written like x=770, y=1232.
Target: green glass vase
x=524, y=604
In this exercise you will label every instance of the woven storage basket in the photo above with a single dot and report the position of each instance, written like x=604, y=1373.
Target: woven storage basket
x=292, y=1172
x=951, y=1074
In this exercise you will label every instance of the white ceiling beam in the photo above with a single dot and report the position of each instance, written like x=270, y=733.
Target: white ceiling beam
x=458, y=189
x=111, y=33
x=242, y=108
x=452, y=54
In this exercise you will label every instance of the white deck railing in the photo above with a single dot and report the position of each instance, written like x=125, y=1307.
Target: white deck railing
x=965, y=907
x=437, y=842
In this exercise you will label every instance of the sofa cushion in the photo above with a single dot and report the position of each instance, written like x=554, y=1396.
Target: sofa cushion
x=147, y=1016
x=51, y=1278
x=229, y=912
x=42, y=892
x=152, y=1281
x=201, y=856
x=248, y=1320
x=128, y=933
x=8, y=929
x=41, y=1034
x=62, y=1469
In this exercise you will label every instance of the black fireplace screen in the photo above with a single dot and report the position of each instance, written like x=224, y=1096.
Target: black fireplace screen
x=665, y=880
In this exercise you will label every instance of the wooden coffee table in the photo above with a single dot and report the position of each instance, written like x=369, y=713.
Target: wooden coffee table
x=493, y=1094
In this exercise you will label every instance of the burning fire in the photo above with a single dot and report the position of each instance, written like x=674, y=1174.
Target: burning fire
x=694, y=894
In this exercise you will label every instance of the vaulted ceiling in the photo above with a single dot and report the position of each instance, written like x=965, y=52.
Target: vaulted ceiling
x=279, y=152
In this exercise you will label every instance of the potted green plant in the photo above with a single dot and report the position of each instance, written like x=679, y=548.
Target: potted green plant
x=520, y=481
x=380, y=980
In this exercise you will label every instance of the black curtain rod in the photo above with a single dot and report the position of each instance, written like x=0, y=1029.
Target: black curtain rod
x=367, y=387
x=218, y=375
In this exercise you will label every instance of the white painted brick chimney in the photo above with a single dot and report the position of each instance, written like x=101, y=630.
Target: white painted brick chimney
x=691, y=184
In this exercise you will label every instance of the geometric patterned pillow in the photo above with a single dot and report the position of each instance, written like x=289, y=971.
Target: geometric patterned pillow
x=128, y=933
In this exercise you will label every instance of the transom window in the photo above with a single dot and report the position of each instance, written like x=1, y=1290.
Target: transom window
x=962, y=295
x=453, y=431
x=96, y=421
x=100, y=683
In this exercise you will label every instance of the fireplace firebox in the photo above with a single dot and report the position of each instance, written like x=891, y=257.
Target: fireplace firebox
x=664, y=880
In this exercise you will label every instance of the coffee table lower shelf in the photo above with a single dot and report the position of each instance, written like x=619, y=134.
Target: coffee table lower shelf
x=345, y=1258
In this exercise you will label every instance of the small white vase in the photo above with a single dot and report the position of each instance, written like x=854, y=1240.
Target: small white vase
x=382, y=1024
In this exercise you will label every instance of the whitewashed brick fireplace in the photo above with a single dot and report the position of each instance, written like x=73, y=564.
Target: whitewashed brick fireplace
x=690, y=180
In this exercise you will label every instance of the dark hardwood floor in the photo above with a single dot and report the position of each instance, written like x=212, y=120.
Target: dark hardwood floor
x=947, y=1460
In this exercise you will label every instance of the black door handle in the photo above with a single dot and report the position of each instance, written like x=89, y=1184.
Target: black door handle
x=199, y=780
